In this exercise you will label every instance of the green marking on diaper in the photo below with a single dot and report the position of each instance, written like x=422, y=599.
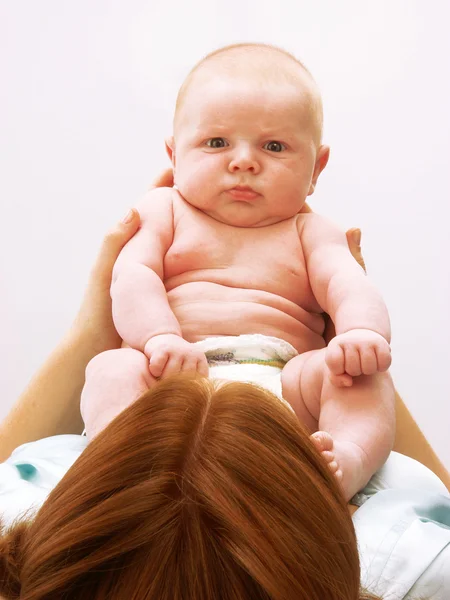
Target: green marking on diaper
x=271, y=362
x=26, y=471
x=217, y=358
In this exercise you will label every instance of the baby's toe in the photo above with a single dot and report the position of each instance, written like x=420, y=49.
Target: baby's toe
x=322, y=440
x=333, y=466
x=328, y=456
x=338, y=474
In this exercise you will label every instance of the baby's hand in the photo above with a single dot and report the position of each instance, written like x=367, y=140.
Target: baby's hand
x=170, y=354
x=356, y=352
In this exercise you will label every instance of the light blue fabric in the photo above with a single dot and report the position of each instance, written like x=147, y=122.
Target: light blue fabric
x=404, y=544
x=33, y=470
x=402, y=525
x=403, y=531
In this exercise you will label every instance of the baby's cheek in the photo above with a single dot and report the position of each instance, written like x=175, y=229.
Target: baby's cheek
x=197, y=182
x=293, y=193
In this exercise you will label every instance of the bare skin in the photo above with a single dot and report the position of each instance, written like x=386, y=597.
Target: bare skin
x=343, y=421
x=230, y=252
x=50, y=403
x=213, y=269
x=280, y=303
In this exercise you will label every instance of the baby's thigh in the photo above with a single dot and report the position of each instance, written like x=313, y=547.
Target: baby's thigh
x=114, y=380
x=301, y=381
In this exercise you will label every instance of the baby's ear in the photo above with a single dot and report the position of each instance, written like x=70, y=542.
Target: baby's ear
x=170, y=148
x=323, y=155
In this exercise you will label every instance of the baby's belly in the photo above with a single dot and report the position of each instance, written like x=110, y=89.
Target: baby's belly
x=206, y=309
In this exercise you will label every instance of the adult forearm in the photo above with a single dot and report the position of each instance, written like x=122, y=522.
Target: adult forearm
x=50, y=405
x=410, y=440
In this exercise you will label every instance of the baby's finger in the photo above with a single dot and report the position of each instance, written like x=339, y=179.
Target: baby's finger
x=369, y=362
x=352, y=361
x=189, y=365
x=335, y=359
x=384, y=359
x=157, y=363
x=203, y=367
x=173, y=365
x=343, y=380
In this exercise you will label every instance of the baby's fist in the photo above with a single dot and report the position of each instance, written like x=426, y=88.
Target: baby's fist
x=356, y=352
x=170, y=354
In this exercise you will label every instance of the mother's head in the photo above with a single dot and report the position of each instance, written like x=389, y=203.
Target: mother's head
x=198, y=491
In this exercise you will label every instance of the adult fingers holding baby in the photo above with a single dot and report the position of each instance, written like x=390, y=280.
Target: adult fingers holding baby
x=95, y=316
x=163, y=179
x=354, y=244
x=50, y=404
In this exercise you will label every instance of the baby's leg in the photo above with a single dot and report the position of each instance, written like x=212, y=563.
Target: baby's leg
x=114, y=380
x=353, y=428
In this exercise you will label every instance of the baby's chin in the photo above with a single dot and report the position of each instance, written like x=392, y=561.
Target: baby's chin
x=236, y=214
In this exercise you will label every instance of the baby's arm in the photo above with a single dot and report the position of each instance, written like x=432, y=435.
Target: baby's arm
x=139, y=301
x=360, y=316
x=141, y=311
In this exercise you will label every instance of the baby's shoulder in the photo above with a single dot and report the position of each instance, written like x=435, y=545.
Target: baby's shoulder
x=156, y=211
x=156, y=199
x=314, y=223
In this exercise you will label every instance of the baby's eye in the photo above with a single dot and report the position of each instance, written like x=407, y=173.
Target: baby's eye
x=216, y=142
x=274, y=146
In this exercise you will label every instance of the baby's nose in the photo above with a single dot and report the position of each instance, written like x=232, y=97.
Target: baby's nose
x=244, y=159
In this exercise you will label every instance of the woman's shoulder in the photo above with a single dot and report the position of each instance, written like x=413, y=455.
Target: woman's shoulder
x=33, y=470
x=403, y=532
x=403, y=472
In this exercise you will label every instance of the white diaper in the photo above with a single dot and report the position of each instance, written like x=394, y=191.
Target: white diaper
x=251, y=358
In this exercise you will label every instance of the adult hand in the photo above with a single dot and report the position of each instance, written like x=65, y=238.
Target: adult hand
x=94, y=319
x=354, y=244
x=164, y=179
x=50, y=404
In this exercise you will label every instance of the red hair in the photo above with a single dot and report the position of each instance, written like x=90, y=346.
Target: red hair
x=197, y=491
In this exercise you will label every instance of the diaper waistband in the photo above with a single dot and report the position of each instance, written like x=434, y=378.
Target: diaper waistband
x=247, y=349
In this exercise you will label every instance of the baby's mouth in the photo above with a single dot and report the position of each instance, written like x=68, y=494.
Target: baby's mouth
x=243, y=192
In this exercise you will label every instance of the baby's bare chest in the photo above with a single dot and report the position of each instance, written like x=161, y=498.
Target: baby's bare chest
x=265, y=258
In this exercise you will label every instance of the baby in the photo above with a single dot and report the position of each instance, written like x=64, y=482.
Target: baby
x=229, y=251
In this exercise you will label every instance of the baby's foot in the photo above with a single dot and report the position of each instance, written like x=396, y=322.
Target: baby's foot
x=346, y=460
x=325, y=445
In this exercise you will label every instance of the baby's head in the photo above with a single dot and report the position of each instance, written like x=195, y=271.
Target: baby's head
x=246, y=148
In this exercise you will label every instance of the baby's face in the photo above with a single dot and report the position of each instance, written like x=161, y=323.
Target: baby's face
x=245, y=152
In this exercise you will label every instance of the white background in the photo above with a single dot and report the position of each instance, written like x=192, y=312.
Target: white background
x=87, y=94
